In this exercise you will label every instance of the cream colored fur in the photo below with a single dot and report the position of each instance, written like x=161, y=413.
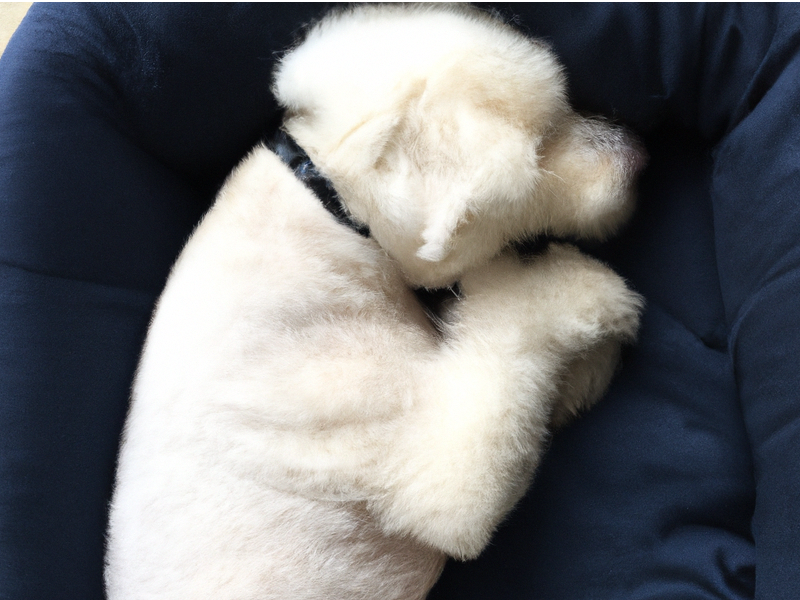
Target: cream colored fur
x=450, y=135
x=298, y=428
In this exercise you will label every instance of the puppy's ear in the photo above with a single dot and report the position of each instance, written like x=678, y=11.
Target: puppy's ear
x=348, y=138
x=364, y=145
x=348, y=155
x=440, y=229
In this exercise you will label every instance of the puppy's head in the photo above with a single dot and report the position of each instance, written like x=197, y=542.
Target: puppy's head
x=449, y=135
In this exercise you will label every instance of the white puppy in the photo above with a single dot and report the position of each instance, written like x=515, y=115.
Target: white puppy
x=298, y=428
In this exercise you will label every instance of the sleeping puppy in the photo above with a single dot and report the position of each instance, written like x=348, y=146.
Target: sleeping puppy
x=298, y=426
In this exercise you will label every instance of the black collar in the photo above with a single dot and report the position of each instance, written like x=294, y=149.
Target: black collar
x=433, y=301
x=299, y=162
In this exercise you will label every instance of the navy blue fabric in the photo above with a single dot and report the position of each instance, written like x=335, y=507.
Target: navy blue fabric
x=117, y=125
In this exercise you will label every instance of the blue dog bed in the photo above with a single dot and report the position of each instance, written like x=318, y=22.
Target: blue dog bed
x=119, y=122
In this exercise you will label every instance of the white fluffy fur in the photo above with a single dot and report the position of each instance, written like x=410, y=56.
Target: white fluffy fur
x=450, y=135
x=298, y=429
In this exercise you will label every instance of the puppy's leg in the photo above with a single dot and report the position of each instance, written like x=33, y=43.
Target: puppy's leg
x=486, y=398
x=584, y=381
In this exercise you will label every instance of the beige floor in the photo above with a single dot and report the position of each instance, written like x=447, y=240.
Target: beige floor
x=11, y=14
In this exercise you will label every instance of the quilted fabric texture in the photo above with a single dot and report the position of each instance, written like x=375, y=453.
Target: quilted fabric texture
x=119, y=122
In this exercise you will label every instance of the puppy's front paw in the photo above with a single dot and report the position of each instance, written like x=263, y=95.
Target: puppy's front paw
x=563, y=291
x=587, y=297
x=562, y=304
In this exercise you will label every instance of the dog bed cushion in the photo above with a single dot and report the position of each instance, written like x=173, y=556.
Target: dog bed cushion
x=119, y=122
